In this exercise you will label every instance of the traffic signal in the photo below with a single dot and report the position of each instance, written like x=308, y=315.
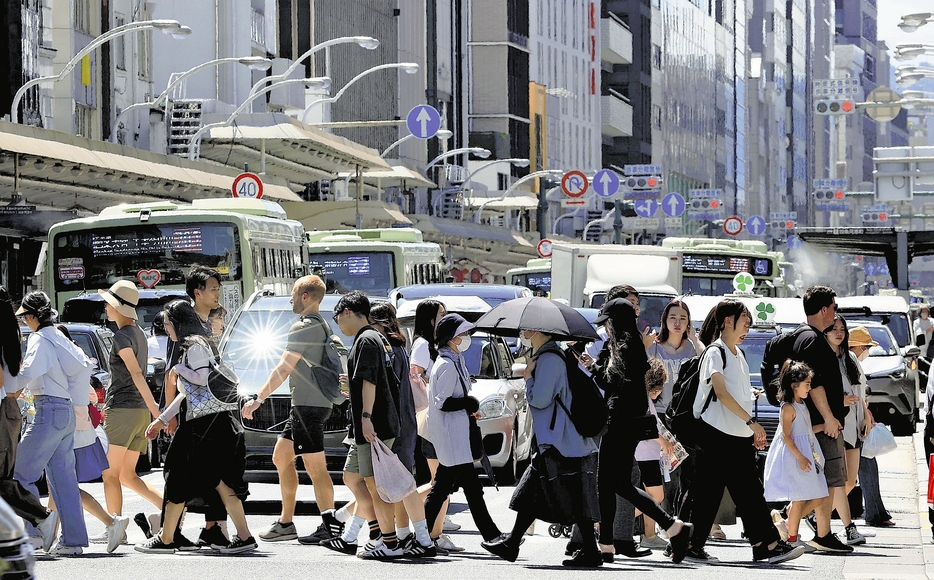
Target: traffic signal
x=829, y=195
x=705, y=204
x=834, y=106
x=641, y=182
x=875, y=217
x=782, y=226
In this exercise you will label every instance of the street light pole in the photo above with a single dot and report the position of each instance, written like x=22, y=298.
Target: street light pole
x=173, y=27
x=475, y=151
x=313, y=81
x=251, y=61
x=516, y=162
x=367, y=42
x=514, y=186
x=442, y=135
x=409, y=67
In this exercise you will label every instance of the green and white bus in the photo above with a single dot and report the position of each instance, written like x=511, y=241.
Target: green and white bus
x=709, y=265
x=374, y=261
x=249, y=241
x=536, y=276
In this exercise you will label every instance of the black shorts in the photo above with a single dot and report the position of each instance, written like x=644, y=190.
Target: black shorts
x=305, y=429
x=651, y=473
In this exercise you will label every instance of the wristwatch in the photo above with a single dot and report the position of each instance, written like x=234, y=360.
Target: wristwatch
x=751, y=421
x=366, y=415
x=255, y=397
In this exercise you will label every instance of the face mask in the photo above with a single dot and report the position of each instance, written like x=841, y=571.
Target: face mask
x=526, y=342
x=464, y=345
x=863, y=355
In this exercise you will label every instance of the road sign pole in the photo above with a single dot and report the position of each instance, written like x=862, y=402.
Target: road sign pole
x=618, y=222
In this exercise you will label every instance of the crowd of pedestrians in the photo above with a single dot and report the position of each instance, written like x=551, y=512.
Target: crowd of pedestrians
x=421, y=408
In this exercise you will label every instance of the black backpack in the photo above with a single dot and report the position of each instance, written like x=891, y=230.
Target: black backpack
x=680, y=413
x=588, y=411
x=778, y=349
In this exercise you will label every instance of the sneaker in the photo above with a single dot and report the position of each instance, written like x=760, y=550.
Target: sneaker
x=60, y=549
x=183, y=544
x=330, y=527
x=699, y=556
x=667, y=552
x=808, y=548
x=415, y=550
x=116, y=532
x=811, y=521
x=47, y=530
x=445, y=543
x=212, y=536
x=853, y=537
x=237, y=546
x=334, y=525
x=653, y=543
x=782, y=552
x=381, y=551
x=449, y=526
x=279, y=532
x=830, y=543
x=154, y=545
x=679, y=542
x=339, y=545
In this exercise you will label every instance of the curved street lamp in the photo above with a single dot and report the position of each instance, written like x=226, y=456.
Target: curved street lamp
x=367, y=42
x=409, y=67
x=912, y=22
x=321, y=82
x=254, y=62
x=909, y=51
x=442, y=134
x=173, y=27
x=475, y=151
x=516, y=162
x=514, y=186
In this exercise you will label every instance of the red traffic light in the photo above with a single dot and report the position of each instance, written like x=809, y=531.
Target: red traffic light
x=790, y=225
x=839, y=194
x=652, y=182
x=847, y=106
x=882, y=217
x=714, y=203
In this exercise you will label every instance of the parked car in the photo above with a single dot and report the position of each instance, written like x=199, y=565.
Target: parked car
x=894, y=393
x=753, y=348
x=252, y=346
x=89, y=307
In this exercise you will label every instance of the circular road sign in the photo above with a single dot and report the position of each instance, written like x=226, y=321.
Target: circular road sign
x=883, y=113
x=544, y=248
x=733, y=225
x=574, y=183
x=247, y=185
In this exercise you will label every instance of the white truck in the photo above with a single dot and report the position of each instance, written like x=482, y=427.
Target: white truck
x=583, y=273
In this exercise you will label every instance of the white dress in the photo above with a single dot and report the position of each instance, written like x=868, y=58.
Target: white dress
x=784, y=480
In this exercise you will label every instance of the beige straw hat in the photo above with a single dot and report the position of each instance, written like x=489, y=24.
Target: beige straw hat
x=123, y=296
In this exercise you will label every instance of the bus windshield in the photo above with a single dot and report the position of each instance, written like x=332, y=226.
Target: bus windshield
x=370, y=272
x=97, y=259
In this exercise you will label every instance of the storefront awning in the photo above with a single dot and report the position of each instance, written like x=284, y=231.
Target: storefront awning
x=337, y=215
x=395, y=176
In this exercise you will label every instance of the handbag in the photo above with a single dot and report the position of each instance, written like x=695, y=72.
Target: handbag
x=879, y=442
x=393, y=481
x=421, y=421
x=222, y=382
x=419, y=390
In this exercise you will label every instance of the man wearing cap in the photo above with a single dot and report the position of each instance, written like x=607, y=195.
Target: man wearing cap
x=129, y=405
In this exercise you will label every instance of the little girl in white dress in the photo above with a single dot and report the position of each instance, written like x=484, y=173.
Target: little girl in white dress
x=794, y=465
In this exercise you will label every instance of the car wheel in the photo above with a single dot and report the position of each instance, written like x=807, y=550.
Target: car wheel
x=905, y=426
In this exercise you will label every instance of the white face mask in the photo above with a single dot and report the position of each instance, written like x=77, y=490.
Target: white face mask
x=863, y=355
x=464, y=345
x=526, y=342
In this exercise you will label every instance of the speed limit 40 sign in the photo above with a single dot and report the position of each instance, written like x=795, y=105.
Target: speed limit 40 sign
x=247, y=185
x=732, y=225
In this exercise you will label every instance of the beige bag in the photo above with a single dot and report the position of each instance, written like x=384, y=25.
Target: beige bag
x=419, y=389
x=421, y=419
x=393, y=481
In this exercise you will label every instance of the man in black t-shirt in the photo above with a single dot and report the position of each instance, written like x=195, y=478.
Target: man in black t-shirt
x=825, y=405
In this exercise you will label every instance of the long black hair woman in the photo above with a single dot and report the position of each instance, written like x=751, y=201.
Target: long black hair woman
x=620, y=371
x=207, y=451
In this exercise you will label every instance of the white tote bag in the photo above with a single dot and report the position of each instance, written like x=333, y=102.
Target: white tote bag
x=393, y=481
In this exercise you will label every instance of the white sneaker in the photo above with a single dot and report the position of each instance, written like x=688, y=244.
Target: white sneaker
x=653, y=543
x=444, y=542
x=116, y=532
x=60, y=549
x=47, y=530
x=381, y=552
x=450, y=526
x=808, y=548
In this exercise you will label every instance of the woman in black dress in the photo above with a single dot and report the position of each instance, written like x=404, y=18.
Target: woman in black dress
x=207, y=451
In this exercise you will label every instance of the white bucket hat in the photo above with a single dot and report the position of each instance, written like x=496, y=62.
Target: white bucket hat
x=123, y=296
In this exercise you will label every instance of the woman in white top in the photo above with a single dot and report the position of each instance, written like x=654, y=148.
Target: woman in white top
x=51, y=364
x=728, y=437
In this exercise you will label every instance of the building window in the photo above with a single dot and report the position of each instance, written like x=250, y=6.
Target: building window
x=656, y=56
x=83, y=16
x=83, y=120
x=656, y=116
x=869, y=69
x=502, y=181
x=145, y=47
x=119, y=45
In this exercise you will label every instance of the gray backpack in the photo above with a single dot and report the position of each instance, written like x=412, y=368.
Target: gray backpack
x=333, y=363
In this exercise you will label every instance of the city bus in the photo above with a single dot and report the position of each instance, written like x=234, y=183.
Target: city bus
x=536, y=276
x=250, y=242
x=374, y=261
x=709, y=265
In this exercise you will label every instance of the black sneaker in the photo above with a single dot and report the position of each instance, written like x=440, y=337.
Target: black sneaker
x=315, y=538
x=237, y=546
x=699, y=556
x=679, y=543
x=212, y=536
x=183, y=544
x=811, y=521
x=782, y=552
x=831, y=544
x=415, y=550
x=334, y=525
x=154, y=545
x=339, y=545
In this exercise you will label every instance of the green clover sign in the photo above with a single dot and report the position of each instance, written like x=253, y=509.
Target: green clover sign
x=743, y=282
x=764, y=311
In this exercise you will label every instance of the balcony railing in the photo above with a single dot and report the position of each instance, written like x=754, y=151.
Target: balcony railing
x=616, y=43
x=616, y=115
x=258, y=27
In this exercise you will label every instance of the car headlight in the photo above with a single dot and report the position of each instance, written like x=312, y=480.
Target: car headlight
x=493, y=407
x=899, y=373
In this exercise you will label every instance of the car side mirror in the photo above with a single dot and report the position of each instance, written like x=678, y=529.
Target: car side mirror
x=913, y=352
